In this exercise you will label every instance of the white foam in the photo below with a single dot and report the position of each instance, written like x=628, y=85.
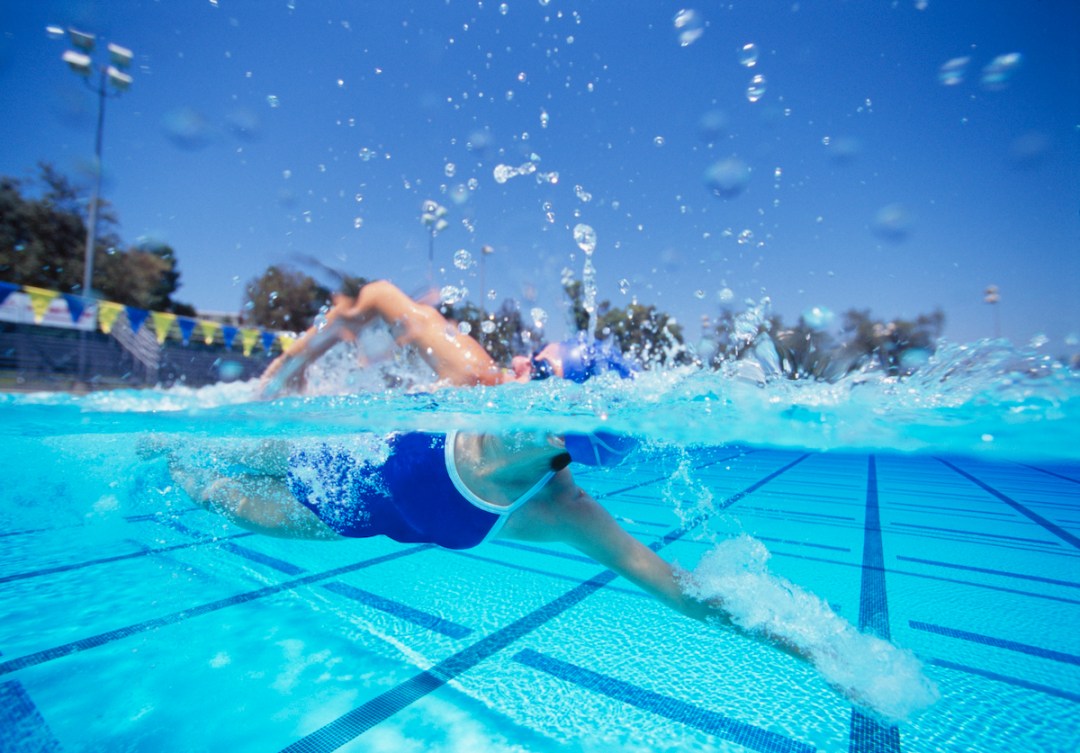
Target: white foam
x=886, y=680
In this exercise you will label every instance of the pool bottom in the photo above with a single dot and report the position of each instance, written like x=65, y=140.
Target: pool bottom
x=179, y=633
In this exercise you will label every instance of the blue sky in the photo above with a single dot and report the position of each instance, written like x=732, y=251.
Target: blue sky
x=259, y=131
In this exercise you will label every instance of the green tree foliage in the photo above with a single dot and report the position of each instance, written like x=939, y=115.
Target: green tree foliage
x=644, y=333
x=43, y=243
x=284, y=298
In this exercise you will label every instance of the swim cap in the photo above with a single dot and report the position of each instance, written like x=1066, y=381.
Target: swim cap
x=581, y=361
x=600, y=448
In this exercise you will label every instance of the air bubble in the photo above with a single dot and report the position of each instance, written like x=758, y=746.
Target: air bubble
x=273, y=101
x=450, y=169
x=358, y=223
x=659, y=141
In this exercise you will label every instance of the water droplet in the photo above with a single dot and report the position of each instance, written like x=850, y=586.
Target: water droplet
x=359, y=198
x=699, y=294
x=452, y=294
x=998, y=71
x=462, y=259
x=725, y=294
x=585, y=237
x=756, y=89
x=727, y=178
x=473, y=184
x=464, y=328
x=745, y=237
x=487, y=326
x=748, y=55
x=521, y=76
x=273, y=101
x=818, y=317
x=688, y=27
x=366, y=154
x=893, y=222
x=450, y=169
x=504, y=9
x=582, y=194
x=539, y=316
x=544, y=118
x=953, y=71
x=659, y=141
x=624, y=286
x=358, y=223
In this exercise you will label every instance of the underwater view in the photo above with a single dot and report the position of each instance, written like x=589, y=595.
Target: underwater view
x=540, y=375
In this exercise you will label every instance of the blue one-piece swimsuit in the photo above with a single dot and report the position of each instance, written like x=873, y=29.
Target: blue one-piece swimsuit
x=414, y=496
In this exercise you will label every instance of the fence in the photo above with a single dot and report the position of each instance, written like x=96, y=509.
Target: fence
x=35, y=357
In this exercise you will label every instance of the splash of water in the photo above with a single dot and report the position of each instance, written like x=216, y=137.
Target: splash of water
x=869, y=671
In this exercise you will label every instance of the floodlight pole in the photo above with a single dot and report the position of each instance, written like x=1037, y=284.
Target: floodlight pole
x=95, y=194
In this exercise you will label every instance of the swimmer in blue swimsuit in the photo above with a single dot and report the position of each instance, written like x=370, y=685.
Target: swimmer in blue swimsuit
x=457, y=359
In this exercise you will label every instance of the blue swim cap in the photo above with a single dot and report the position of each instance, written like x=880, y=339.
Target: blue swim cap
x=599, y=448
x=581, y=361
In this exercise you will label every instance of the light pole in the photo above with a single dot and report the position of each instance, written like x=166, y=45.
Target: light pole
x=111, y=76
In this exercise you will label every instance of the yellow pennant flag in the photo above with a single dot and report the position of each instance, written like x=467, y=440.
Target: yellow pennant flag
x=107, y=313
x=209, y=331
x=285, y=341
x=40, y=298
x=249, y=337
x=163, y=322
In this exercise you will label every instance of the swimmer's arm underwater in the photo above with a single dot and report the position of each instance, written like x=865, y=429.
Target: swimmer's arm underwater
x=569, y=515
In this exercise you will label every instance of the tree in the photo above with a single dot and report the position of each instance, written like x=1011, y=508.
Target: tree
x=43, y=243
x=284, y=298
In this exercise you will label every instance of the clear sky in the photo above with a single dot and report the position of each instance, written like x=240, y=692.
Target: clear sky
x=257, y=131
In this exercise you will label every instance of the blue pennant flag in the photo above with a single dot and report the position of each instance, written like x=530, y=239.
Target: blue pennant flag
x=229, y=334
x=76, y=306
x=6, y=289
x=136, y=317
x=187, y=326
x=268, y=340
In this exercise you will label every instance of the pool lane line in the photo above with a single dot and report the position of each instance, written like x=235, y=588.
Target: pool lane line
x=1053, y=528
x=1004, y=643
x=22, y=727
x=983, y=534
x=668, y=707
x=1017, y=681
x=1050, y=473
x=359, y=720
x=67, y=649
x=400, y=610
x=118, y=558
x=990, y=571
x=867, y=734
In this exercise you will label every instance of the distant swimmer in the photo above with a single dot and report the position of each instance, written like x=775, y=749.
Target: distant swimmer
x=458, y=490
x=456, y=358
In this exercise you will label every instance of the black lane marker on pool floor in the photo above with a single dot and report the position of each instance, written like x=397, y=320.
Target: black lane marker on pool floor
x=118, y=558
x=1051, y=473
x=354, y=723
x=1017, y=681
x=989, y=640
x=40, y=657
x=1053, y=528
x=22, y=728
x=667, y=707
x=867, y=734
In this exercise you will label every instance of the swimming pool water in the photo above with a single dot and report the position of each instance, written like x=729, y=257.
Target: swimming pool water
x=134, y=621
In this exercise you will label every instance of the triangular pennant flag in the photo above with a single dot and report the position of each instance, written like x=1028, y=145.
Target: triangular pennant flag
x=6, y=289
x=163, y=322
x=187, y=326
x=107, y=313
x=76, y=306
x=228, y=332
x=248, y=337
x=286, y=342
x=268, y=339
x=136, y=317
x=40, y=298
x=209, y=331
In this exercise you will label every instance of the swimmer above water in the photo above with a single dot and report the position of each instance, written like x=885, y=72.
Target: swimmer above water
x=457, y=359
x=458, y=490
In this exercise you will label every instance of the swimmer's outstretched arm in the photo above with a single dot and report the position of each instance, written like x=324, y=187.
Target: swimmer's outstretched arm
x=569, y=515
